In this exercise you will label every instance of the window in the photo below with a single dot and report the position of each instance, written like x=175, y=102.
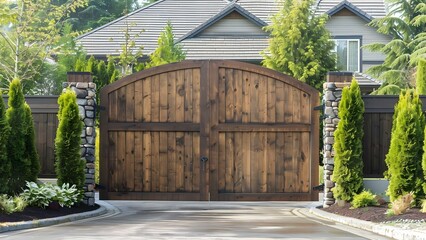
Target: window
x=347, y=52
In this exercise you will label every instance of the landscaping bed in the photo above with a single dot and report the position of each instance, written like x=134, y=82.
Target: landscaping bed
x=35, y=213
x=375, y=214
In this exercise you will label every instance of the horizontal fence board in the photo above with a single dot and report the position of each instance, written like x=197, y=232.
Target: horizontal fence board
x=378, y=119
x=44, y=110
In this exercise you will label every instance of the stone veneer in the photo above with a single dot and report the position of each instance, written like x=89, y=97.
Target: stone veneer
x=331, y=99
x=86, y=100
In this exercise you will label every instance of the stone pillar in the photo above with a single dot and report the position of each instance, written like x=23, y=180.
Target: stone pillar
x=85, y=89
x=331, y=98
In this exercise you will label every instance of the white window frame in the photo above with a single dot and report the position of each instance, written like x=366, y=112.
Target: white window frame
x=347, y=50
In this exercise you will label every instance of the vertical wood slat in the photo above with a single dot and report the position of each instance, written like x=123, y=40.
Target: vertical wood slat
x=139, y=159
x=171, y=162
x=229, y=162
x=129, y=161
x=180, y=158
x=147, y=161
x=238, y=162
x=229, y=95
x=246, y=158
x=238, y=96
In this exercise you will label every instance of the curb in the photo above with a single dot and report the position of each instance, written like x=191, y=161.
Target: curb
x=13, y=226
x=385, y=230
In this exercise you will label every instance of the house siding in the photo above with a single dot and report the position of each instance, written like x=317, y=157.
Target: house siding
x=233, y=27
x=355, y=26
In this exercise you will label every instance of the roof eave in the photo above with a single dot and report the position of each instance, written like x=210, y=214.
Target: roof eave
x=352, y=8
x=227, y=10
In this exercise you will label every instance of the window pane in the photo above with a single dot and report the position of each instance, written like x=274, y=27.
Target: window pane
x=341, y=52
x=353, y=56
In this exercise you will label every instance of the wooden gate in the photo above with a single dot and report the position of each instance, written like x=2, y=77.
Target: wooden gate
x=209, y=130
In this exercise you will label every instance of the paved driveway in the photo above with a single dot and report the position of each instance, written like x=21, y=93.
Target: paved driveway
x=199, y=220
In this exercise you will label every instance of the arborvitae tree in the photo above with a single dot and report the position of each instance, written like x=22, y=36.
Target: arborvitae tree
x=69, y=165
x=167, y=51
x=348, y=165
x=4, y=160
x=300, y=44
x=421, y=77
x=16, y=117
x=30, y=146
x=404, y=168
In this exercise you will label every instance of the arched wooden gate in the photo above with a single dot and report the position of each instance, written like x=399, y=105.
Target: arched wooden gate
x=200, y=130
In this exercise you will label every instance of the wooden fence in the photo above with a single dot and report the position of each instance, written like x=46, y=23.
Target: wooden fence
x=45, y=110
x=377, y=132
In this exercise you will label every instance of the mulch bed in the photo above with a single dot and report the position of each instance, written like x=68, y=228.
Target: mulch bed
x=34, y=213
x=374, y=214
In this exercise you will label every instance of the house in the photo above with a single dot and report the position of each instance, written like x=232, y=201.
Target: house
x=222, y=29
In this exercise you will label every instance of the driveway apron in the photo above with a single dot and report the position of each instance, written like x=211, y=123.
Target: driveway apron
x=199, y=220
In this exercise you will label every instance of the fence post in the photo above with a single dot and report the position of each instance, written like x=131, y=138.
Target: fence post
x=81, y=83
x=331, y=98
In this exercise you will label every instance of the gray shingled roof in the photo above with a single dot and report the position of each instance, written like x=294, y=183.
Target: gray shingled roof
x=189, y=15
x=374, y=8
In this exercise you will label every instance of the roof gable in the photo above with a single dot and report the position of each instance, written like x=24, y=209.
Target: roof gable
x=232, y=9
x=352, y=8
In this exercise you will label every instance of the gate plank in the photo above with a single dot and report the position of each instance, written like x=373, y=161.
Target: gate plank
x=271, y=101
x=229, y=159
x=288, y=101
x=246, y=97
x=180, y=151
x=112, y=162
x=155, y=154
x=147, y=99
x=188, y=87
x=121, y=156
x=196, y=162
x=222, y=95
x=139, y=100
x=196, y=78
x=147, y=162
x=245, y=156
x=180, y=96
x=263, y=166
x=279, y=102
x=222, y=163
x=270, y=158
x=263, y=99
x=188, y=165
x=129, y=162
x=112, y=100
x=155, y=99
x=303, y=164
x=139, y=171
x=163, y=161
x=238, y=161
x=254, y=98
x=171, y=161
x=229, y=95
x=163, y=98
x=254, y=162
x=288, y=162
x=121, y=105
x=171, y=97
x=296, y=161
x=279, y=163
x=238, y=95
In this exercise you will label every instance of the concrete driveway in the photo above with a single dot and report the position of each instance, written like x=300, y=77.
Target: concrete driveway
x=199, y=220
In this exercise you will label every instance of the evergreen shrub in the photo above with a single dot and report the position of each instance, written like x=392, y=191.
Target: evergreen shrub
x=16, y=146
x=4, y=160
x=404, y=168
x=348, y=165
x=69, y=165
